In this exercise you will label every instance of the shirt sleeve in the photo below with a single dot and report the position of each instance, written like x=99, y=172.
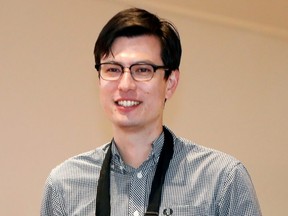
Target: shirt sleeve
x=238, y=196
x=52, y=204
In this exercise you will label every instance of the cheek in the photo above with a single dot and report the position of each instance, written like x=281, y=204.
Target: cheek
x=104, y=94
x=155, y=95
x=103, y=99
x=106, y=87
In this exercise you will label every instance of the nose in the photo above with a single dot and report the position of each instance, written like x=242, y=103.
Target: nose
x=126, y=81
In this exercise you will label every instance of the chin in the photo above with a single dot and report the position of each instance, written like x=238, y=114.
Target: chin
x=126, y=124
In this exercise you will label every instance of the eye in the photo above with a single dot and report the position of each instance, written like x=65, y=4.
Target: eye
x=111, y=68
x=142, y=68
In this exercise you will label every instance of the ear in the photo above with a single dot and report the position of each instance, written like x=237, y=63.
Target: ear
x=172, y=83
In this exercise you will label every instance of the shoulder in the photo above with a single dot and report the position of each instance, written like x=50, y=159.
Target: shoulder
x=209, y=165
x=206, y=163
x=199, y=154
x=73, y=178
x=80, y=164
x=212, y=177
x=197, y=157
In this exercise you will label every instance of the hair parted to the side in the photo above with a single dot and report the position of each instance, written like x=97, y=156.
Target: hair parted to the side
x=135, y=22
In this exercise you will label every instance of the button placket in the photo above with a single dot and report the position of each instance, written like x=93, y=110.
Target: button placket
x=137, y=195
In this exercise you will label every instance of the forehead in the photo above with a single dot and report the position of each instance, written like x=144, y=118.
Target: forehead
x=137, y=39
x=144, y=46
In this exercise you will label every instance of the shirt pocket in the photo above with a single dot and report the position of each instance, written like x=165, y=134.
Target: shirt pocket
x=184, y=210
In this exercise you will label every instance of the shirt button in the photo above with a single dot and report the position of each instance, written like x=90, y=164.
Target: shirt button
x=139, y=175
x=136, y=213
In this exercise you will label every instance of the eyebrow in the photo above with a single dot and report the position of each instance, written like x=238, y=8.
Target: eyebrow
x=137, y=62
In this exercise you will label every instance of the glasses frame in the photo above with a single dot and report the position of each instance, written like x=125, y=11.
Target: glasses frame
x=155, y=68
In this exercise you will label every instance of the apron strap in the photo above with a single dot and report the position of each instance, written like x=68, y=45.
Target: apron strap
x=103, y=189
x=158, y=180
x=103, y=207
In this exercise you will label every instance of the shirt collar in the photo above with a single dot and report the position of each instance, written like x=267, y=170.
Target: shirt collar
x=119, y=165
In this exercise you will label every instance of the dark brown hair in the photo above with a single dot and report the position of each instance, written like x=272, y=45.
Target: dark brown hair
x=135, y=22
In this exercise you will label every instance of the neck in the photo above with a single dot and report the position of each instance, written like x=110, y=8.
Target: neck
x=135, y=146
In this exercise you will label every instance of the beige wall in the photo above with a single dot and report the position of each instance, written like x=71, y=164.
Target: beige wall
x=232, y=96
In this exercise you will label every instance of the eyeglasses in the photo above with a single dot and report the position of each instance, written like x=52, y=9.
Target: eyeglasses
x=111, y=71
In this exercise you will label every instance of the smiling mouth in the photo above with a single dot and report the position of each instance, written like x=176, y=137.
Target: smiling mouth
x=127, y=103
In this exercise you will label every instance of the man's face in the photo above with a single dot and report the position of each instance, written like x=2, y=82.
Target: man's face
x=133, y=104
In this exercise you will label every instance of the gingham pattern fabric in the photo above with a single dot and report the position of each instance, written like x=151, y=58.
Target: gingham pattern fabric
x=199, y=181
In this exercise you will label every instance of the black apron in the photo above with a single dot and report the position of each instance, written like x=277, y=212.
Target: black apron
x=103, y=207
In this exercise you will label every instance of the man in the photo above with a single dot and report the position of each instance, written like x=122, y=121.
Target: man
x=146, y=169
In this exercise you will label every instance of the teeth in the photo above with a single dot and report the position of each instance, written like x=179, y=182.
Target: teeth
x=128, y=103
